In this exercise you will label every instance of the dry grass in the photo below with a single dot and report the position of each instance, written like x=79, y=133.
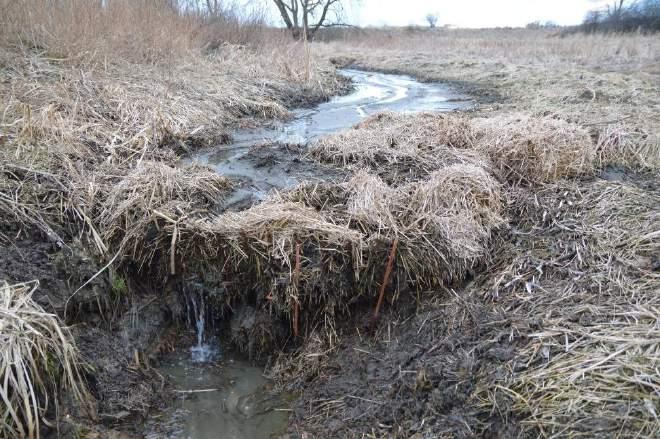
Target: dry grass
x=97, y=105
x=606, y=83
x=343, y=231
x=508, y=46
x=36, y=352
x=529, y=149
x=574, y=281
x=401, y=147
x=141, y=31
x=96, y=109
x=521, y=148
x=131, y=209
x=588, y=279
x=74, y=123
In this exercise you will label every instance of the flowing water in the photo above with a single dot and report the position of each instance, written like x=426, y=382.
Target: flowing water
x=220, y=395
x=276, y=165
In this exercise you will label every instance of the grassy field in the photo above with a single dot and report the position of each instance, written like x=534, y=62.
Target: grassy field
x=524, y=234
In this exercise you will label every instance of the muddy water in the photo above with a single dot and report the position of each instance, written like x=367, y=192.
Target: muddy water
x=264, y=159
x=219, y=398
x=219, y=395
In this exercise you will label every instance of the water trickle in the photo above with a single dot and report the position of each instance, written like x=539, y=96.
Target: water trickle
x=202, y=351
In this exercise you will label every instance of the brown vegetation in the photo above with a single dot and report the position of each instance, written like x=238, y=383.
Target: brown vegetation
x=558, y=335
x=606, y=83
x=97, y=105
x=38, y=358
x=556, y=332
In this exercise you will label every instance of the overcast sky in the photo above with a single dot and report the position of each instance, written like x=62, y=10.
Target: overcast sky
x=465, y=13
x=472, y=13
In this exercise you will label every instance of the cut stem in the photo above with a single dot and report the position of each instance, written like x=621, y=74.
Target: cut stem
x=296, y=303
x=388, y=270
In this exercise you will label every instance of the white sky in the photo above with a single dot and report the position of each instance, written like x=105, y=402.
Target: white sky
x=464, y=13
x=472, y=13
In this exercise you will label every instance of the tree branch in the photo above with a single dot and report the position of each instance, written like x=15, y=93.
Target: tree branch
x=323, y=15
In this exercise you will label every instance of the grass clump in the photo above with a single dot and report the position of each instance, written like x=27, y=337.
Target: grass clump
x=401, y=147
x=521, y=148
x=138, y=213
x=323, y=247
x=37, y=357
x=535, y=149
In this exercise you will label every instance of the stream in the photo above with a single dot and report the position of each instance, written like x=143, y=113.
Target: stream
x=263, y=159
x=219, y=394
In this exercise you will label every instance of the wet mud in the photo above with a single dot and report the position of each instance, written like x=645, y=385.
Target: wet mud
x=413, y=377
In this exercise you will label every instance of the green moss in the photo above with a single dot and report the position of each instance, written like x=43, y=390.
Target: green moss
x=119, y=288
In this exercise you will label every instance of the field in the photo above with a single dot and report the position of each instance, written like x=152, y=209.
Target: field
x=517, y=244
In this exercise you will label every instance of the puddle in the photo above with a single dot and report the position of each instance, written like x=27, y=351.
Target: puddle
x=263, y=159
x=220, y=398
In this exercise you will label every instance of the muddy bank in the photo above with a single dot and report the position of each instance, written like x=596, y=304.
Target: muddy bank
x=416, y=376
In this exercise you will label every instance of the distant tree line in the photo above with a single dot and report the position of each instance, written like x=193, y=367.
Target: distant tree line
x=624, y=16
x=542, y=25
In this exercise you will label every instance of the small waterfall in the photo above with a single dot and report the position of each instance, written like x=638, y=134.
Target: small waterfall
x=202, y=352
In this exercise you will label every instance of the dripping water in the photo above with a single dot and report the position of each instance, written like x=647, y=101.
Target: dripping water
x=203, y=351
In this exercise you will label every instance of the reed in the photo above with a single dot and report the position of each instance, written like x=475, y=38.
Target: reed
x=38, y=359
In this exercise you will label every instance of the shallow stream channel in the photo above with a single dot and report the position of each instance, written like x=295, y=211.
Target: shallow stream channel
x=219, y=394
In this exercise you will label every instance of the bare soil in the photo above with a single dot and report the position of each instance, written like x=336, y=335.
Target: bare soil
x=415, y=377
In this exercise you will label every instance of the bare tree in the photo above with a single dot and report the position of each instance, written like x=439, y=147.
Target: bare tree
x=305, y=17
x=625, y=16
x=615, y=12
x=213, y=7
x=432, y=19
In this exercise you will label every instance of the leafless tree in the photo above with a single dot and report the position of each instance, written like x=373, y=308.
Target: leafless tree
x=305, y=17
x=432, y=19
x=213, y=7
x=615, y=12
x=625, y=16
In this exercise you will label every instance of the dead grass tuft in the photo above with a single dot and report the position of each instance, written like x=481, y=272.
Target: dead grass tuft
x=343, y=232
x=401, y=147
x=132, y=211
x=531, y=149
x=37, y=358
x=521, y=148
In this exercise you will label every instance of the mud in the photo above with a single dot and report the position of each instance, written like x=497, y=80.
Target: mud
x=259, y=169
x=60, y=271
x=118, y=335
x=414, y=377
